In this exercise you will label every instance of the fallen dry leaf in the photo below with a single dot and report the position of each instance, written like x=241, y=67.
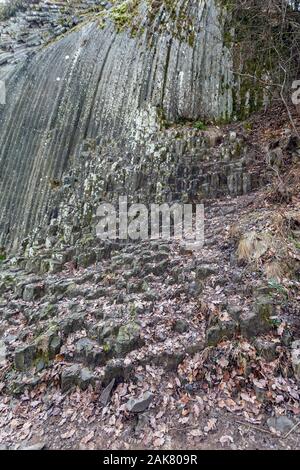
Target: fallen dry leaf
x=68, y=434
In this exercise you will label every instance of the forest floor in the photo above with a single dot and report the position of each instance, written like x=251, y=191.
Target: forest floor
x=217, y=375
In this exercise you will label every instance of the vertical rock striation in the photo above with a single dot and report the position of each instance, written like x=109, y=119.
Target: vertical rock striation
x=108, y=84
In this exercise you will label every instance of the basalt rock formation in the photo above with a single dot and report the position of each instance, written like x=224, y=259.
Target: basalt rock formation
x=121, y=74
x=120, y=339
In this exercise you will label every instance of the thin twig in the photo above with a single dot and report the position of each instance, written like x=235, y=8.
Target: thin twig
x=257, y=79
x=257, y=428
x=291, y=430
x=283, y=98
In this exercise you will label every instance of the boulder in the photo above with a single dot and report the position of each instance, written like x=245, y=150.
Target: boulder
x=296, y=359
x=204, y=271
x=281, y=424
x=128, y=339
x=259, y=320
x=138, y=405
x=180, y=325
x=48, y=311
x=49, y=343
x=75, y=376
x=3, y=287
x=194, y=289
x=251, y=325
x=97, y=294
x=72, y=323
x=33, y=292
x=116, y=369
x=267, y=349
x=221, y=331
x=40, y=351
x=60, y=287
x=160, y=268
x=55, y=266
x=106, y=330
x=89, y=352
x=134, y=287
x=25, y=356
x=150, y=296
x=86, y=259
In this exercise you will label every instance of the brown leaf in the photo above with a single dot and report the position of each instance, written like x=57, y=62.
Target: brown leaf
x=88, y=437
x=68, y=434
x=196, y=433
x=226, y=440
x=159, y=442
x=211, y=424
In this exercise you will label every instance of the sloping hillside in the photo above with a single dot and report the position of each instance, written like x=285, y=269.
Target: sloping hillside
x=144, y=344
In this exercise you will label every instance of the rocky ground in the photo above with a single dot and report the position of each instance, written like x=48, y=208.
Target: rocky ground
x=158, y=347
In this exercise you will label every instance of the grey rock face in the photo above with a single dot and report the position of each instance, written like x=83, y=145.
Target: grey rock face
x=256, y=320
x=180, y=326
x=89, y=352
x=177, y=166
x=75, y=375
x=24, y=357
x=39, y=352
x=128, y=339
x=267, y=349
x=33, y=292
x=221, y=331
x=116, y=369
x=97, y=82
x=259, y=320
x=49, y=343
x=34, y=24
x=72, y=323
x=204, y=271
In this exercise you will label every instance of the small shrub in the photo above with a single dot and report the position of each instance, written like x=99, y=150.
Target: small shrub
x=200, y=126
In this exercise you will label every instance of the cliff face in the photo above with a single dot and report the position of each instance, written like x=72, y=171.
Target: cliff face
x=113, y=78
